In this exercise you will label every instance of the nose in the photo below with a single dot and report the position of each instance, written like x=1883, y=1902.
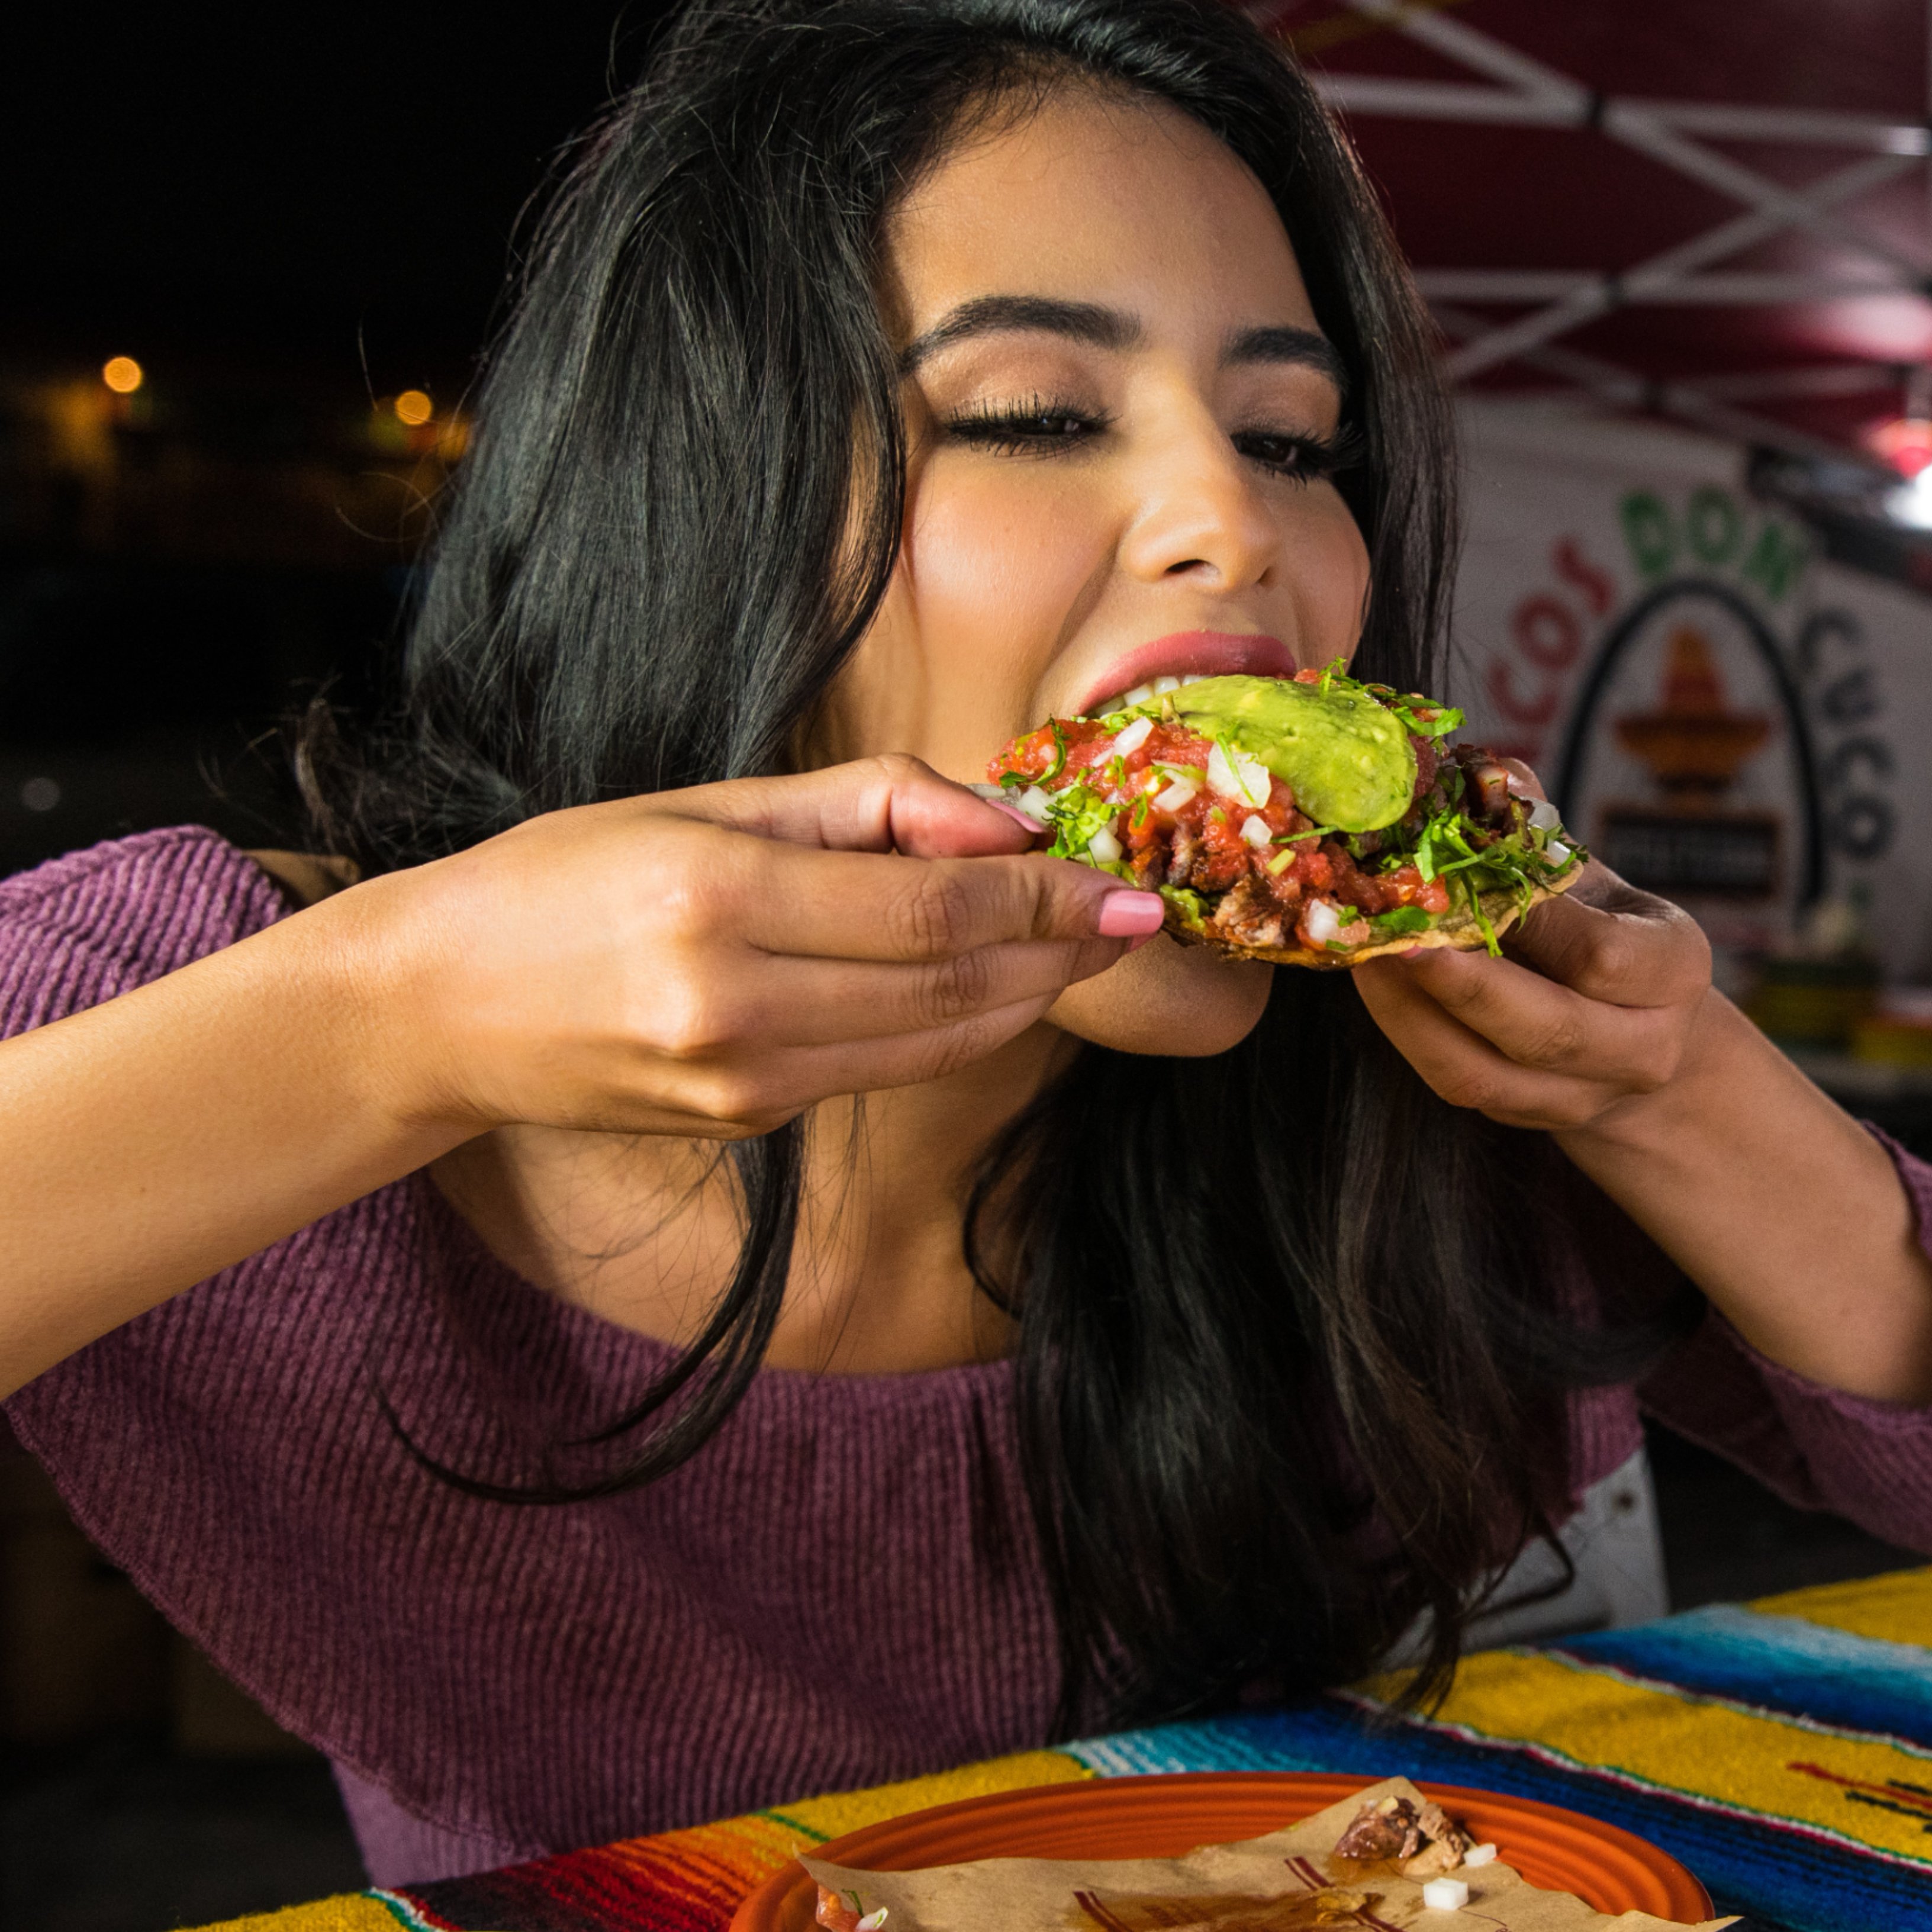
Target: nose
x=1200, y=515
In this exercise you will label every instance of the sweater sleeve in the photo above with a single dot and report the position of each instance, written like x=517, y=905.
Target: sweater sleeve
x=85, y=928
x=1818, y=1447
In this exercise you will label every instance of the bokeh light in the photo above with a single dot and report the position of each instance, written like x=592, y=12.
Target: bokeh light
x=413, y=407
x=1905, y=442
x=123, y=374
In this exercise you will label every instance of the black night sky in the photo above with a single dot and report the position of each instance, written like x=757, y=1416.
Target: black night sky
x=284, y=187
x=286, y=213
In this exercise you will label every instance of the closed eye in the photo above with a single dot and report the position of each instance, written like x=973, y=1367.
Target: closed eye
x=1301, y=459
x=1036, y=427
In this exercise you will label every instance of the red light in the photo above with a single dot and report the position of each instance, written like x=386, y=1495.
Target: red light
x=1905, y=442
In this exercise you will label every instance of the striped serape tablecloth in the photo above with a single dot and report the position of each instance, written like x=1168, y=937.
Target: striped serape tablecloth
x=1783, y=1750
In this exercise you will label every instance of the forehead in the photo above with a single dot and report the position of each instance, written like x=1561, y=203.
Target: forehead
x=1100, y=197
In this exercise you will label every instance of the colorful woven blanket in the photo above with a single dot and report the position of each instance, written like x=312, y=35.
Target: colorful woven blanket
x=1782, y=1751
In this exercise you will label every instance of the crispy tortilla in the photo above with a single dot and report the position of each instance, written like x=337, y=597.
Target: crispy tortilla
x=1458, y=930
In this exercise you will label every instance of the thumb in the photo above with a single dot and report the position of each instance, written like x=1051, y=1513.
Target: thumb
x=891, y=804
x=1523, y=781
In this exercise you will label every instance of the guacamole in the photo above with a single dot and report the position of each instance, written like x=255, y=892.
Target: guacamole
x=1346, y=758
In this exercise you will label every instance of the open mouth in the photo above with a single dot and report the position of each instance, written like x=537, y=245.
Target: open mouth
x=1150, y=671
x=1143, y=694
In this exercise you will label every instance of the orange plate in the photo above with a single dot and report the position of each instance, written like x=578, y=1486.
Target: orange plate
x=1166, y=1817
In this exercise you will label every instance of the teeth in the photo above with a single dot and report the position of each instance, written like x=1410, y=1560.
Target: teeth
x=1144, y=694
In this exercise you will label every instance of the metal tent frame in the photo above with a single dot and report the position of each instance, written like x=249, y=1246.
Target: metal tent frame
x=1515, y=89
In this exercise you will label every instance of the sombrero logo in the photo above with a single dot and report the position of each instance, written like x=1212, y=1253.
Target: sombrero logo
x=1709, y=735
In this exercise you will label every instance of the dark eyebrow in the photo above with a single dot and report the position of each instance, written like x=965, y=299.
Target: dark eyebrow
x=1290, y=345
x=988, y=315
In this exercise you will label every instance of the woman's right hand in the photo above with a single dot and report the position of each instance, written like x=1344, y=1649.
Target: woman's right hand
x=704, y=963
x=711, y=962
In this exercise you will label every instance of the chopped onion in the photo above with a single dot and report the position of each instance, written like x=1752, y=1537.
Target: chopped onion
x=1134, y=736
x=1557, y=853
x=1233, y=774
x=1255, y=831
x=1104, y=847
x=873, y=1921
x=1163, y=685
x=1177, y=795
x=1035, y=803
x=1479, y=1855
x=1322, y=921
x=1544, y=816
x=1445, y=1894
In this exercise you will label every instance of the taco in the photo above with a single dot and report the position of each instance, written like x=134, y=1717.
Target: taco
x=1311, y=821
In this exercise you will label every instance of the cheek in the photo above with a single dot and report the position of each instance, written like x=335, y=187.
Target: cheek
x=987, y=565
x=1331, y=563
x=989, y=578
x=1180, y=1001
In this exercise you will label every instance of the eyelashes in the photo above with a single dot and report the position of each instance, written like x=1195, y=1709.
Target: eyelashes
x=1047, y=426
x=1038, y=426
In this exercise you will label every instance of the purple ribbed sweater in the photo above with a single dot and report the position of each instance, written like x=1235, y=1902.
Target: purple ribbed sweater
x=842, y=1589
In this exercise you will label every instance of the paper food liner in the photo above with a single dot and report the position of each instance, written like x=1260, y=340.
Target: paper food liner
x=1283, y=1882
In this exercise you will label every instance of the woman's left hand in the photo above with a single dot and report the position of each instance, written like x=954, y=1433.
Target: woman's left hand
x=1596, y=1002
x=1601, y=1026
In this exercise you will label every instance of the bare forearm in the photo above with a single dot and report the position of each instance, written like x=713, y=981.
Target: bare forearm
x=156, y=1138
x=1788, y=1215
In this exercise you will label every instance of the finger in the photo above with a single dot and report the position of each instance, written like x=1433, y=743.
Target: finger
x=875, y=805
x=1464, y=1069
x=1616, y=944
x=1536, y=1023
x=1523, y=781
x=797, y=1003
x=854, y=905
x=802, y=1076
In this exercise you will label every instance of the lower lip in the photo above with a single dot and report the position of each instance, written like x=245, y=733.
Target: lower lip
x=1195, y=654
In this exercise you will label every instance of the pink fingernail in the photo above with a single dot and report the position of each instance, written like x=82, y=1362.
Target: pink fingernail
x=1124, y=914
x=1018, y=818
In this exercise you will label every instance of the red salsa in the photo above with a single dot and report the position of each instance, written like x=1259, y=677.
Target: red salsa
x=1174, y=829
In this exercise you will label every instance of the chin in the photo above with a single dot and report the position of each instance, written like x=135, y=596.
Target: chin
x=1167, y=998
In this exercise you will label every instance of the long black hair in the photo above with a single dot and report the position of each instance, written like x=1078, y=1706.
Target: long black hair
x=1285, y=1380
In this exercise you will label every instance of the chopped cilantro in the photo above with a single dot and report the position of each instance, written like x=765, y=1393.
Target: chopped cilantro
x=1482, y=919
x=1059, y=764
x=1403, y=918
x=1077, y=811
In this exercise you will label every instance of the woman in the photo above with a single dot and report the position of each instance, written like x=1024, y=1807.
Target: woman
x=474, y=1307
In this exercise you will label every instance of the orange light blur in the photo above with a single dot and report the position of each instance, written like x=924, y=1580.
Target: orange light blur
x=123, y=374
x=1905, y=442
x=414, y=408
